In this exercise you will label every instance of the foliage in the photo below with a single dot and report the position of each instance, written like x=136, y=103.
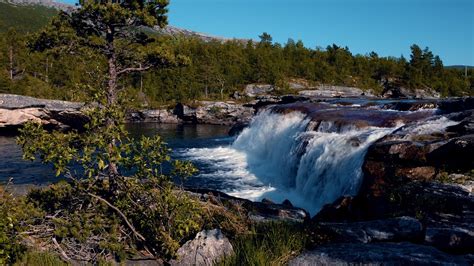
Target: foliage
x=15, y=213
x=214, y=69
x=118, y=199
x=25, y=18
x=40, y=259
x=270, y=243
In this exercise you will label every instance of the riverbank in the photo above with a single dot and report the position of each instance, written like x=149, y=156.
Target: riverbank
x=415, y=195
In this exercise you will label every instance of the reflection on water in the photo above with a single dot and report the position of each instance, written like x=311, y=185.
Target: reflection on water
x=177, y=136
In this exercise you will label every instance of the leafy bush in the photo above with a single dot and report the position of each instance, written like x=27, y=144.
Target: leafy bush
x=15, y=213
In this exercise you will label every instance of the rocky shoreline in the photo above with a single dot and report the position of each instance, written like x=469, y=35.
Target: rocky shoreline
x=415, y=205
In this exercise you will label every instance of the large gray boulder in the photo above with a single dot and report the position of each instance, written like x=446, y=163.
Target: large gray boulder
x=378, y=254
x=207, y=248
x=253, y=90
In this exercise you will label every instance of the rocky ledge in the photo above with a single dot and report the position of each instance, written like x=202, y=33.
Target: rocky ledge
x=416, y=202
x=16, y=110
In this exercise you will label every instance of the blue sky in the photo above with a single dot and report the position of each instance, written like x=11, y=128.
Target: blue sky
x=387, y=27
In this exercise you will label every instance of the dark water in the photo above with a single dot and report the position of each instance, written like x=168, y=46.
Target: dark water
x=178, y=137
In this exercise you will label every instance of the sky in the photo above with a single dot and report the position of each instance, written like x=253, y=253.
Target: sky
x=388, y=27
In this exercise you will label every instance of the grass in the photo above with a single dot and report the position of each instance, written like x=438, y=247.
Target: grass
x=40, y=259
x=270, y=243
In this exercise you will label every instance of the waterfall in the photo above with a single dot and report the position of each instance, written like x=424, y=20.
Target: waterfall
x=283, y=156
x=311, y=168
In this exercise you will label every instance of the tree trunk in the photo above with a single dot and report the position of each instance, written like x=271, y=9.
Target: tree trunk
x=10, y=57
x=111, y=95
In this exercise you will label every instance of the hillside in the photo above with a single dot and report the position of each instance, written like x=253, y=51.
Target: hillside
x=31, y=15
x=24, y=18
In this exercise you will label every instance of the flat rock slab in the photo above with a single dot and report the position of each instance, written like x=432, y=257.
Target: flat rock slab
x=379, y=254
x=395, y=229
x=11, y=101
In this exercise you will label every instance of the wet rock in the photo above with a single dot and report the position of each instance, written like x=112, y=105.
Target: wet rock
x=287, y=203
x=395, y=229
x=456, y=105
x=267, y=201
x=257, y=211
x=378, y=254
x=207, y=248
x=454, y=155
x=409, y=199
x=451, y=238
x=237, y=128
x=410, y=106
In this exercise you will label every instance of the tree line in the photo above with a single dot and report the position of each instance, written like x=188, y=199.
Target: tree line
x=215, y=69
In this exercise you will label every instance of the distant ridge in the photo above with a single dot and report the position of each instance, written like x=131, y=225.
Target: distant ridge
x=175, y=31
x=45, y=3
x=168, y=30
x=459, y=67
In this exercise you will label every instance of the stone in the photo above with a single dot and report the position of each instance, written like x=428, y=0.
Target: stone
x=216, y=113
x=207, y=248
x=257, y=211
x=328, y=91
x=237, y=128
x=394, y=229
x=252, y=90
x=378, y=254
x=451, y=237
x=454, y=155
x=456, y=105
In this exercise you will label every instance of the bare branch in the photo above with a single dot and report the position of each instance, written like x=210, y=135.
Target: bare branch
x=133, y=69
x=121, y=214
x=60, y=249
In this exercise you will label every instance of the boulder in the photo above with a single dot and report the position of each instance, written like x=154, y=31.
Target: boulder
x=378, y=254
x=394, y=229
x=207, y=248
x=456, y=105
x=328, y=91
x=216, y=113
x=398, y=91
x=451, y=237
x=454, y=155
x=256, y=211
x=252, y=90
x=163, y=116
x=237, y=128
x=410, y=106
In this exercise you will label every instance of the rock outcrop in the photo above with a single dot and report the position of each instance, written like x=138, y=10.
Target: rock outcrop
x=378, y=254
x=217, y=113
x=328, y=91
x=16, y=110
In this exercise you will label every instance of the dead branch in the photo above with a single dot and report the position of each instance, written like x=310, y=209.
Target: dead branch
x=121, y=214
x=60, y=249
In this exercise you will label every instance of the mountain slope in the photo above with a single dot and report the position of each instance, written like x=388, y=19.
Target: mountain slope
x=24, y=18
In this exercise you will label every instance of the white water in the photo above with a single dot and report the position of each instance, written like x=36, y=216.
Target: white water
x=277, y=158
